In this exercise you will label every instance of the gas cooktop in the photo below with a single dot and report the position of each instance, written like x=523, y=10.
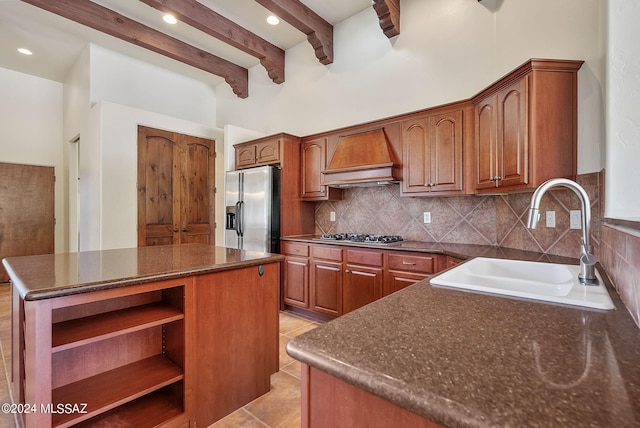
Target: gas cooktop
x=360, y=237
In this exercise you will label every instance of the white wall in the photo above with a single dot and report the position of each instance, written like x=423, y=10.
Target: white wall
x=31, y=124
x=112, y=209
x=128, y=81
x=448, y=50
x=623, y=111
x=125, y=92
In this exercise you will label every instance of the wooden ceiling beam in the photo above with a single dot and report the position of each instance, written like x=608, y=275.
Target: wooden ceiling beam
x=389, y=16
x=319, y=32
x=107, y=21
x=208, y=21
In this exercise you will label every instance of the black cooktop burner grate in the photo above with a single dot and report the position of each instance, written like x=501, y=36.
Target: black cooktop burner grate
x=361, y=237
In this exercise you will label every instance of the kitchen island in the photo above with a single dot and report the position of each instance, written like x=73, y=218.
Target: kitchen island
x=172, y=336
x=427, y=356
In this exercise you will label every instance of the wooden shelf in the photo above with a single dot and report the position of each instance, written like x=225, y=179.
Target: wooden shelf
x=115, y=387
x=81, y=331
x=148, y=411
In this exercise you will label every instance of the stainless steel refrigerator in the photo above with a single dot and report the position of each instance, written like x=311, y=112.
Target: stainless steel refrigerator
x=252, y=200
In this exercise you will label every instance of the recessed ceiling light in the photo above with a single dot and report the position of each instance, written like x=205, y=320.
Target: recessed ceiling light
x=24, y=51
x=169, y=19
x=273, y=20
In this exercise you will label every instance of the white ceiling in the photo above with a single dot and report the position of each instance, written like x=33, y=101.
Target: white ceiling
x=57, y=42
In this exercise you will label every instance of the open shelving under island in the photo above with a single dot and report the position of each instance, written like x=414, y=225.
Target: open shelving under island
x=174, y=336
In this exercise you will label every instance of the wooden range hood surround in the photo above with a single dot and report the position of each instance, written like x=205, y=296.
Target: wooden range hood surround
x=363, y=159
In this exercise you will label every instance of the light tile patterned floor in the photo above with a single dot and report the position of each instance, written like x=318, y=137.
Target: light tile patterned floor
x=280, y=407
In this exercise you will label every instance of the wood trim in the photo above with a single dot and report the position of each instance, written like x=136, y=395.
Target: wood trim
x=100, y=18
x=389, y=15
x=208, y=21
x=319, y=32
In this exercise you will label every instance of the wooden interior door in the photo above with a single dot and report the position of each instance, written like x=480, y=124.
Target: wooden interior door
x=198, y=191
x=27, y=214
x=175, y=188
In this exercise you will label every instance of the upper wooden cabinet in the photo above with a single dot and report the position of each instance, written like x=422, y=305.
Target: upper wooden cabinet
x=258, y=153
x=432, y=154
x=296, y=216
x=314, y=161
x=526, y=127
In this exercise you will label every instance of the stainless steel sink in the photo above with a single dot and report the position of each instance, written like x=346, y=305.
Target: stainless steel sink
x=548, y=282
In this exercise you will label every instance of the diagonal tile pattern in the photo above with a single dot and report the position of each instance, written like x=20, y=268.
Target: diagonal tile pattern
x=485, y=220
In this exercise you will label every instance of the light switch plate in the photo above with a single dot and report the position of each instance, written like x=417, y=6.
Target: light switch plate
x=332, y=216
x=426, y=217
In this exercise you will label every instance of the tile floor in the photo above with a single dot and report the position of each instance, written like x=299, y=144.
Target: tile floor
x=280, y=407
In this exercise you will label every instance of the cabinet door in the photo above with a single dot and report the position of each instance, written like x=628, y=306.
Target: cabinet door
x=445, y=151
x=397, y=280
x=362, y=285
x=326, y=287
x=313, y=162
x=512, y=134
x=268, y=152
x=296, y=282
x=416, y=154
x=486, y=115
x=245, y=156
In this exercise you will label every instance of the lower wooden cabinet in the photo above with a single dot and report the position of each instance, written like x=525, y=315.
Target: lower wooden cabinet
x=326, y=279
x=295, y=274
x=405, y=269
x=332, y=280
x=362, y=278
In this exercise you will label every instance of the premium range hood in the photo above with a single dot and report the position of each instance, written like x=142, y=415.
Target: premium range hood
x=364, y=159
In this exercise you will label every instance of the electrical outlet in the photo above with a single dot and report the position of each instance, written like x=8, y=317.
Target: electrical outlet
x=332, y=216
x=426, y=217
x=551, y=219
x=575, y=219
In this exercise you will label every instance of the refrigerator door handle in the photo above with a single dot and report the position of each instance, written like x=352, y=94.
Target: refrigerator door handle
x=239, y=216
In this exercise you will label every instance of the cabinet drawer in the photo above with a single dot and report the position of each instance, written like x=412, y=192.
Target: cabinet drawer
x=371, y=258
x=295, y=249
x=412, y=263
x=326, y=252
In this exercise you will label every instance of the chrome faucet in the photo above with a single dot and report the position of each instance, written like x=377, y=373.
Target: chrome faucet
x=588, y=261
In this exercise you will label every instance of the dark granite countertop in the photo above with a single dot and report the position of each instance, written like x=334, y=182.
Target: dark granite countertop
x=461, y=251
x=54, y=275
x=465, y=359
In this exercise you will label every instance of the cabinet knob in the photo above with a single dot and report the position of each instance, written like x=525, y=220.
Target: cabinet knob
x=432, y=184
x=346, y=271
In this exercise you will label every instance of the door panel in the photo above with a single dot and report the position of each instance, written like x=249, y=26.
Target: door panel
x=27, y=212
x=361, y=287
x=256, y=211
x=513, y=138
x=175, y=188
x=486, y=143
x=446, y=156
x=198, y=201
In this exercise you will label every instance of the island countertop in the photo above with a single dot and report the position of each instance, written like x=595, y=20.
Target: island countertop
x=54, y=275
x=465, y=359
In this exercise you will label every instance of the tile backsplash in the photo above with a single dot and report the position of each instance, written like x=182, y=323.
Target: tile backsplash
x=485, y=220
